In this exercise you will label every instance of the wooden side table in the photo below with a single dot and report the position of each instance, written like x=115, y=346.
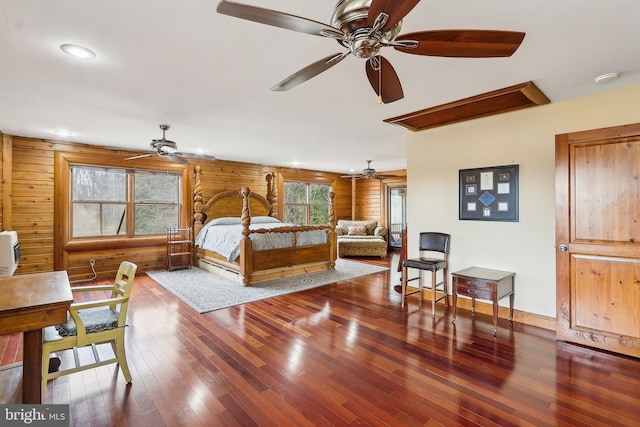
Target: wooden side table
x=483, y=283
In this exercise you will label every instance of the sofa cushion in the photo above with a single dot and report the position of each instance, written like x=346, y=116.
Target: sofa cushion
x=362, y=246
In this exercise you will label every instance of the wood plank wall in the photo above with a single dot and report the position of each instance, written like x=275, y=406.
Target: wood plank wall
x=28, y=202
x=369, y=195
x=32, y=195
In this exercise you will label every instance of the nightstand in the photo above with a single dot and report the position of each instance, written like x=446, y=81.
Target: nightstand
x=483, y=283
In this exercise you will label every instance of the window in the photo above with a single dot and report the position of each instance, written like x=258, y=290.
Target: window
x=156, y=201
x=306, y=203
x=103, y=197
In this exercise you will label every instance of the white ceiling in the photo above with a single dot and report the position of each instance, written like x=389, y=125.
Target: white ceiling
x=208, y=75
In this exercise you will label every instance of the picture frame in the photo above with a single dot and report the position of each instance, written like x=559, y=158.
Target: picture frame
x=489, y=193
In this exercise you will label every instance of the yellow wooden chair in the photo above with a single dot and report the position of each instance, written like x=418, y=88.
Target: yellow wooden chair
x=91, y=323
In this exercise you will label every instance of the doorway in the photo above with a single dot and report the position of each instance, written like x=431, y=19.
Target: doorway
x=397, y=215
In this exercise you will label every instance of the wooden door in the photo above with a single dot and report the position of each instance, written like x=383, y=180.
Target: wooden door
x=598, y=238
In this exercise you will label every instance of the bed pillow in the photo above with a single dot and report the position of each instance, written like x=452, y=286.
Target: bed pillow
x=228, y=220
x=264, y=220
x=356, y=230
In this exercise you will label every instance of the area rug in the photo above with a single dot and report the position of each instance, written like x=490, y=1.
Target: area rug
x=204, y=291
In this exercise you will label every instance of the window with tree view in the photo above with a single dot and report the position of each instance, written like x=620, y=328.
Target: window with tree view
x=101, y=198
x=306, y=203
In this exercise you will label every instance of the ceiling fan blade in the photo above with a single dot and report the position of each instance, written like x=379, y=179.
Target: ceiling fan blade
x=176, y=158
x=396, y=9
x=463, y=43
x=384, y=80
x=140, y=156
x=195, y=156
x=309, y=71
x=278, y=19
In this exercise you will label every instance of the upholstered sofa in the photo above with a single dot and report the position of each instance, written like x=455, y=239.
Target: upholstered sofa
x=361, y=238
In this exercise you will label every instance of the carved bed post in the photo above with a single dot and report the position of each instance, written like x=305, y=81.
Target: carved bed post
x=197, y=201
x=246, y=250
x=332, y=211
x=331, y=235
x=272, y=197
x=274, y=203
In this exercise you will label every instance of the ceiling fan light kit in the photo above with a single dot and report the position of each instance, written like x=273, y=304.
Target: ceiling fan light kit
x=364, y=27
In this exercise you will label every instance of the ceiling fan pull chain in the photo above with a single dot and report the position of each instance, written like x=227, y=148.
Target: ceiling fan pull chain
x=380, y=85
x=376, y=65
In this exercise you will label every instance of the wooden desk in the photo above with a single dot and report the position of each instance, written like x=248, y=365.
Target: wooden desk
x=28, y=303
x=483, y=283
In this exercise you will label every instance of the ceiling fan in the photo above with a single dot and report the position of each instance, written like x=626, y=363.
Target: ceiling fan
x=367, y=173
x=364, y=27
x=168, y=149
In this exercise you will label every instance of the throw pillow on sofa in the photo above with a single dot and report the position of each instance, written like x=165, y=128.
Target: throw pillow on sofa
x=356, y=230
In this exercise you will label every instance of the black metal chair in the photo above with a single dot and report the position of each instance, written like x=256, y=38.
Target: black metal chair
x=433, y=244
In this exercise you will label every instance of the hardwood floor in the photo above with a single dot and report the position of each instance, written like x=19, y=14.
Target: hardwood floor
x=338, y=355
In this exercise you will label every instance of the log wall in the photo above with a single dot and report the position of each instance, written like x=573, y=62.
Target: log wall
x=28, y=203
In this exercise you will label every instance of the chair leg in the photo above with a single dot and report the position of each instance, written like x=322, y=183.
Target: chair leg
x=45, y=375
x=445, y=285
x=122, y=357
x=404, y=285
x=433, y=293
x=420, y=288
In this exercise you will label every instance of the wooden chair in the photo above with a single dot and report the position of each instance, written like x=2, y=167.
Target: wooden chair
x=91, y=323
x=433, y=243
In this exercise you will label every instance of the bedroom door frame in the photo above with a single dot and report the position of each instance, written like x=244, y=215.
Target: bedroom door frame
x=597, y=245
x=390, y=184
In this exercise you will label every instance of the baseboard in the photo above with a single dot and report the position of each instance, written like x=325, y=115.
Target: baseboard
x=527, y=318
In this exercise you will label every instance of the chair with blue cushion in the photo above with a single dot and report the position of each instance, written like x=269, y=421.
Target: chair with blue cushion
x=437, y=246
x=89, y=324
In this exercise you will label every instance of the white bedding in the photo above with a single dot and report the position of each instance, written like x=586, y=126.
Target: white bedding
x=223, y=237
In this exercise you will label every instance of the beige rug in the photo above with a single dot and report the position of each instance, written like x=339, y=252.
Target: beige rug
x=204, y=291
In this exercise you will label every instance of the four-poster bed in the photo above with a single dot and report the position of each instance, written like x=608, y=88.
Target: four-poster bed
x=249, y=221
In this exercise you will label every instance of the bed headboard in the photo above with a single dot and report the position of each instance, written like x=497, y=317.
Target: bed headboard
x=230, y=203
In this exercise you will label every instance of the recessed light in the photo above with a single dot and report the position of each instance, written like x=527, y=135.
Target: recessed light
x=77, y=51
x=606, y=77
x=62, y=132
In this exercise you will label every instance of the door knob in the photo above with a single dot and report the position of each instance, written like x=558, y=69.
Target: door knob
x=563, y=248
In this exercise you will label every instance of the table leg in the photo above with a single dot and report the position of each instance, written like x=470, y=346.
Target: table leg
x=511, y=297
x=455, y=303
x=495, y=317
x=32, y=367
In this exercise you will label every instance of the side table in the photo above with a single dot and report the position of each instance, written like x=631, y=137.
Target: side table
x=483, y=283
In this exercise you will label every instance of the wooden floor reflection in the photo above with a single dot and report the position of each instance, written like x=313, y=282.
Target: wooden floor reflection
x=342, y=355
